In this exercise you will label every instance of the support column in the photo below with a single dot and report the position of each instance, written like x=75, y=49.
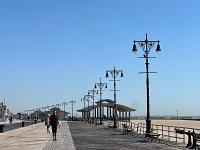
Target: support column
x=107, y=113
x=95, y=113
x=120, y=117
x=110, y=112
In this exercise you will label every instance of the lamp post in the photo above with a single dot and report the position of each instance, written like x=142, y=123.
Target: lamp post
x=101, y=86
x=72, y=103
x=146, y=45
x=64, y=103
x=93, y=92
x=177, y=114
x=114, y=74
x=83, y=99
x=87, y=98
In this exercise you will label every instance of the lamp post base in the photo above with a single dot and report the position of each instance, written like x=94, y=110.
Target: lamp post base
x=148, y=125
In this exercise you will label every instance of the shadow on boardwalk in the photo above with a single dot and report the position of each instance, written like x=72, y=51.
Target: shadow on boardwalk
x=90, y=137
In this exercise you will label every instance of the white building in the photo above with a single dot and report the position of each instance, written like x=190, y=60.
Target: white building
x=4, y=112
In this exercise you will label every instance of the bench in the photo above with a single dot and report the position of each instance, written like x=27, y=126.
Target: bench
x=126, y=129
x=196, y=143
x=193, y=138
x=152, y=136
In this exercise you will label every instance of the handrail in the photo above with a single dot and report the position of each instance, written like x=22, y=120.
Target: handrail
x=167, y=132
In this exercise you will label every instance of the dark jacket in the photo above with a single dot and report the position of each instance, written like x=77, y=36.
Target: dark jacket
x=54, y=120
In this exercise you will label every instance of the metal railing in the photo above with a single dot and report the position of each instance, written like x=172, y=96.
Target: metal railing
x=167, y=133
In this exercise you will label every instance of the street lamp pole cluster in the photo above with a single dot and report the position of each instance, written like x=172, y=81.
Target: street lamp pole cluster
x=101, y=86
x=114, y=74
x=146, y=45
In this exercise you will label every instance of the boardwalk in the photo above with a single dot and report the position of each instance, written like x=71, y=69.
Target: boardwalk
x=75, y=136
x=64, y=139
x=90, y=137
x=32, y=137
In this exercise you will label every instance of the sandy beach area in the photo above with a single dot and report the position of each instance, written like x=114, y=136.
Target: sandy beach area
x=178, y=123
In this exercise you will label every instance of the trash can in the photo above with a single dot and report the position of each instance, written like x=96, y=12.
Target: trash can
x=2, y=126
x=23, y=123
x=45, y=121
x=35, y=121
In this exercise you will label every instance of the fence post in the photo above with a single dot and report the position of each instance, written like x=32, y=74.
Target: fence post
x=168, y=134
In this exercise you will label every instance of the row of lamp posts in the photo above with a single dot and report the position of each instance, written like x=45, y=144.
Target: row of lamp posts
x=146, y=45
x=101, y=86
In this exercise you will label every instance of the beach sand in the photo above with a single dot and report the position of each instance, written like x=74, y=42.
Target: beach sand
x=178, y=123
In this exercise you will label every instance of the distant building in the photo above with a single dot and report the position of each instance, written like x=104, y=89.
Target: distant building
x=4, y=112
x=62, y=115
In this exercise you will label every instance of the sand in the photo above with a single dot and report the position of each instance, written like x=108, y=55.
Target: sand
x=178, y=123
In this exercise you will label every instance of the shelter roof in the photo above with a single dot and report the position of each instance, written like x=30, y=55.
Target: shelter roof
x=110, y=103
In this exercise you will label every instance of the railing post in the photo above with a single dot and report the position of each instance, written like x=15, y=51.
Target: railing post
x=184, y=136
x=143, y=129
x=168, y=134
x=157, y=129
x=176, y=136
x=162, y=133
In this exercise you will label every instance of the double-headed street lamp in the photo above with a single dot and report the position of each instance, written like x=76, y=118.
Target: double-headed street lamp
x=72, y=103
x=93, y=92
x=114, y=74
x=146, y=46
x=101, y=86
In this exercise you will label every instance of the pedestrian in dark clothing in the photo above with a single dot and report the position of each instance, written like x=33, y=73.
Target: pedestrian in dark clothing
x=54, y=124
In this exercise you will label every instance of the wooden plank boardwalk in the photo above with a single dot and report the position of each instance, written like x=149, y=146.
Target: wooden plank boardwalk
x=76, y=136
x=91, y=137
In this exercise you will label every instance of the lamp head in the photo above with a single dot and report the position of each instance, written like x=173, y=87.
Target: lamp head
x=122, y=75
x=134, y=50
x=107, y=74
x=158, y=48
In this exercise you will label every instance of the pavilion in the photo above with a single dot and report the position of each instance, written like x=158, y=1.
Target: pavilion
x=123, y=112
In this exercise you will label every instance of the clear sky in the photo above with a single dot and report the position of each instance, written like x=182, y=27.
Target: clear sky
x=54, y=51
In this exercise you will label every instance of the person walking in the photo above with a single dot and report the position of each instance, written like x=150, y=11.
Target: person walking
x=48, y=123
x=54, y=124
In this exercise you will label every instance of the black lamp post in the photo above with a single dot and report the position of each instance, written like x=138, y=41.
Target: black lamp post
x=64, y=103
x=72, y=103
x=101, y=86
x=177, y=114
x=92, y=92
x=87, y=98
x=146, y=46
x=114, y=74
x=83, y=99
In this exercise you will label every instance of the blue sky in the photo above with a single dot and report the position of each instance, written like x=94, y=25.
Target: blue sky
x=54, y=51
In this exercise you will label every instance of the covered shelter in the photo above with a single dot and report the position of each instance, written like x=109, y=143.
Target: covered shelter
x=107, y=107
